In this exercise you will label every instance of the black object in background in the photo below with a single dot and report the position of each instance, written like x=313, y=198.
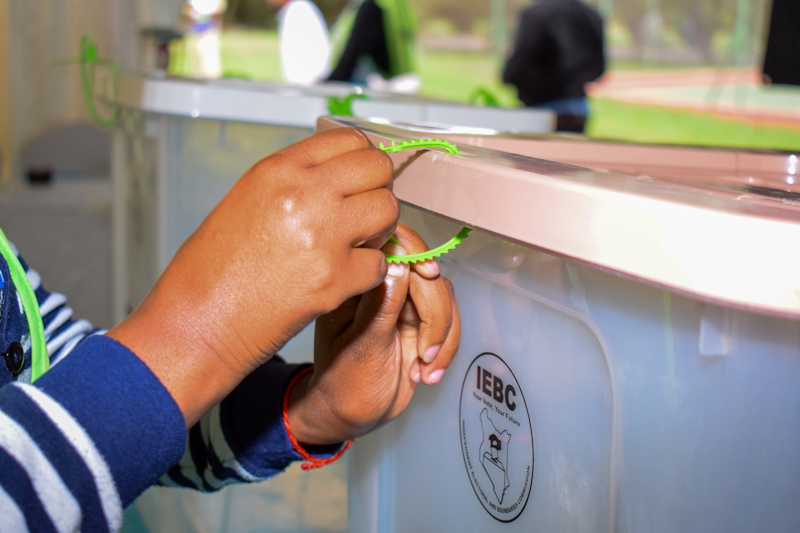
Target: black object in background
x=40, y=175
x=782, y=58
x=367, y=38
x=559, y=48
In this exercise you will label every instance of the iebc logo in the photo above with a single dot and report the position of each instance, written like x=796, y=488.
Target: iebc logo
x=496, y=437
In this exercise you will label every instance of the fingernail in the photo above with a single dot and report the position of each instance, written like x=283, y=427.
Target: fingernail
x=394, y=249
x=415, y=378
x=435, y=376
x=397, y=270
x=431, y=267
x=431, y=353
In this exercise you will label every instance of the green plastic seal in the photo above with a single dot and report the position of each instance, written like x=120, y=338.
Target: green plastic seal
x=452, y=243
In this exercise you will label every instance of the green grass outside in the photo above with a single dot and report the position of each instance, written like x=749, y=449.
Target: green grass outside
x=611, y=119
x=455, y=75
x=251, y=54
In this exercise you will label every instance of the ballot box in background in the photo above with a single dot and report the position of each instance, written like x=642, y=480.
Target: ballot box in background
x=630, y=348
x=178, y=147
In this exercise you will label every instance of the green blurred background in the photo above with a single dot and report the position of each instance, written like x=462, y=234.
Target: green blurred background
x=679, y=71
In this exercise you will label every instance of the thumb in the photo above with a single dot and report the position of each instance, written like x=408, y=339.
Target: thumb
x=379, y=310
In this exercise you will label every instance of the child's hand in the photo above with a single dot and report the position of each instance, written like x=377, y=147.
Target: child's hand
x=371, y=352
x=295, y=237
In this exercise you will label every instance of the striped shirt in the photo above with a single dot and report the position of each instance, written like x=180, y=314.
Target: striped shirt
x=99, y=428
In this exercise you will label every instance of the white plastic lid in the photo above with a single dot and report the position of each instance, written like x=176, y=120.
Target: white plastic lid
x=711, y=242
x=301, y=106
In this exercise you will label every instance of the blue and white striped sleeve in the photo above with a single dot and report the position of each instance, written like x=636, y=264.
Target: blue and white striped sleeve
x=240, y=440
x=92, y=433
x=243, y=439
x=99, y=428
x=85, y=440
x=62, y=332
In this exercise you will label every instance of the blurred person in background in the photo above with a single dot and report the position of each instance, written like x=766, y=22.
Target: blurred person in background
x=782, y=56
x=381, y=42
x=303, y=36
x=559, y=49
x=198, y=54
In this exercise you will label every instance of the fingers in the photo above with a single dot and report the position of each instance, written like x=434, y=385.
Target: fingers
x=432, y=301
x=372, y=217
x=378, y=312
x=358, y=171
x=409, y=334
x=431, y=373
x=333, y=324
x=412, y=243
x=409, y=367
x=366, y=269
x=327, y=145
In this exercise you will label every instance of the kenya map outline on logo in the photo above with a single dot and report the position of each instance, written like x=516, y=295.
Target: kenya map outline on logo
x=493, y=454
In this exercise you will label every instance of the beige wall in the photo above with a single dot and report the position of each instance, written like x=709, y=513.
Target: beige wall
x=5, y=115
x=35, y=97
x=43, y=97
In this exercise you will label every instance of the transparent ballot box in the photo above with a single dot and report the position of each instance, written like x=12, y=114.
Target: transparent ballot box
x=178, y=148
x=630, y=348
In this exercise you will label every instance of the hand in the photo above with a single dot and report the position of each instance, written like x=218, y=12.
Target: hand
x=295, y=237
x=372, y=351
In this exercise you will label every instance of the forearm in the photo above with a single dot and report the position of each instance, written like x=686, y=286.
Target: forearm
x=192, y=374
x=178, y=331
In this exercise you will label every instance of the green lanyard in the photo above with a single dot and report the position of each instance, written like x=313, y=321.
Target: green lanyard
x=400, y=28
x=40, y=362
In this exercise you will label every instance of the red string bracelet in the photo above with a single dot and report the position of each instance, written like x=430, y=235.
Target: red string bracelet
x=313, y=462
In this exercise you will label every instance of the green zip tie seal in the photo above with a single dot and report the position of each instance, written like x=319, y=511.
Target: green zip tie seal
x=452, y=243
x=343, y=107
x=87, y=60
x=421, y=143
x=482, y=93
x=40, y=362
x=430, y=254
